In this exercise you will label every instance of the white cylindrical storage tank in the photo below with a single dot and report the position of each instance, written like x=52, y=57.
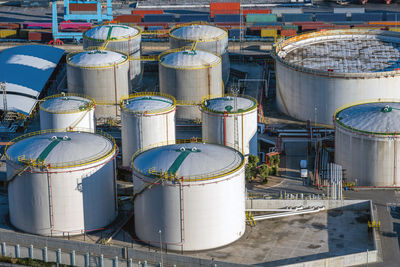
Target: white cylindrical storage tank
x=148, y=119
x=118, y=38
x=190, y=76
x=317, y=73
x=61, y=183
x=231, y=121
x=207, y=37
x=68, y=112
x=192, y=196
x=367, y=143
x=102, y=75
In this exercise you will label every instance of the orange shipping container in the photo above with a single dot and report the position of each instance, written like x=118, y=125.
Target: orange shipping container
x=143, y=12
x=288, y=33
x=256, y=11
x=128, y=18
x=82, y=7
x=384, y=23
x=224, y=8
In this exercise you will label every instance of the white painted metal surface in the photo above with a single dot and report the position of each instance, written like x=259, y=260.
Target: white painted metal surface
x=102, y=75
x=118, y=38
x=67, y=112
x=209, y=38
x=319, y=72
x=232, y=122
x=190, y=76
x=147, y=120
x=202, y=208
x=58, y=180
x=367, y=144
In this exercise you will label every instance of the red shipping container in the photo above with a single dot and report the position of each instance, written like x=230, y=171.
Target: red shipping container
x=6, y=25
x=82, y=7
x=40, y=36
x=224, y=8
x=146, y=24
x=143, y=12
x=128, y=18
x=288, y=32
x=256, y=11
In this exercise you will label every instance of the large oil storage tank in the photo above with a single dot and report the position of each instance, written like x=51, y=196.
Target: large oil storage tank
x=148, y=119
x=118, y=38
x=367, y=143
x=316, y=73
x=192, y=196
x=102, y=75
x=58, y=180
x=68, y=112
x=207, y=37
x=190, y=76
x=231, y=121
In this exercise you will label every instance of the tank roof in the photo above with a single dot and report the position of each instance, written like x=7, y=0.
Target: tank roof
x=189, y=59
x=339, y=51
x=375, y=117
x=96, y=58
x=150, y=103
x=190, y=161
x=66, y=104
x=111, y=32
x=198, y=32
x=61, y=149
x=227, y=104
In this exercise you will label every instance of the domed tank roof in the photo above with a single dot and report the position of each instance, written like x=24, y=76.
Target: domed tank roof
x=227, y=104
x=96, y=58
x=61, y=149
x=66, y=103
x=147, y=103
x=198, y=32
x=111, y=32
x=375, y=117
x=189, y=59
x=191, y=161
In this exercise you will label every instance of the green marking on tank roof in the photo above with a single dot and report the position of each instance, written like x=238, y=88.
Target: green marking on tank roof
x=54, y=142
x=180, y=159
x=111, y=27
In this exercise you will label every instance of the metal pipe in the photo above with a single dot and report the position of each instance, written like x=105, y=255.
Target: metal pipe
x=285, y=214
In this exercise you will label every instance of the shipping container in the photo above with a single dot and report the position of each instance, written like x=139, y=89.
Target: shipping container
x=128, y=18
x=38, y=25
x=8, y=33
x=392, y=16
x=143, y=12
x=288, y=33
x=193, y=18
x=350, y=10
x=289, y=10
x=224, y=8
x=35, y=3
x=259, y=28
x=251, y=18
x=394, y=29
x=149, y=24
x=82, y=7
x=159, y=18
x=330, y=17
x=235, y=33
x=245, y=12
x=40, y=36
x=297, y=17
x=7, y=25
x=273, y=33
x=290, y=27
x=75, y=25
x=226, y=18
x=367, y=17
x=389, y=23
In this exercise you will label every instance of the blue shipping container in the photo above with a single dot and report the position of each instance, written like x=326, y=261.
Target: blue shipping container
x=367, y=17
x=235, y=33
x=296, y=17
x=192, y=18
x=393, y=17
x=159, y=18
x=330, y=17
x=226, y=18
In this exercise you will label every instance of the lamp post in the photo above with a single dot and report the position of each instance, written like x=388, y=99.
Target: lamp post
x=161, y=259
